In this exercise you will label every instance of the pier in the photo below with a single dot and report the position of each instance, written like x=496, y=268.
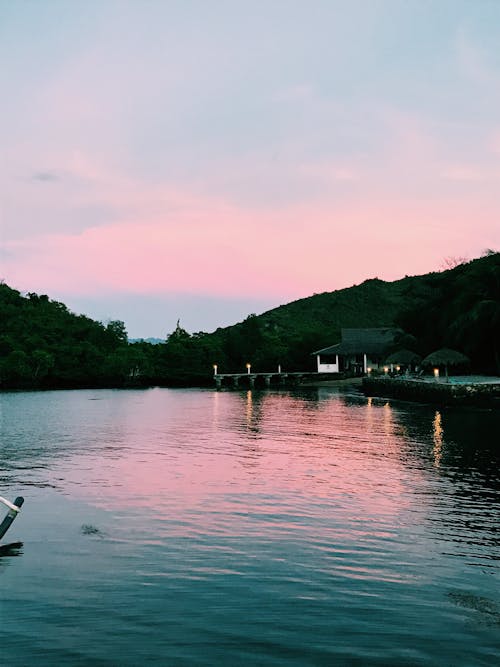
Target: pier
x=250, y=379
x=276, y=379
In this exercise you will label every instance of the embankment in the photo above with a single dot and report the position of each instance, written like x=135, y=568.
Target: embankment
x=482, y=394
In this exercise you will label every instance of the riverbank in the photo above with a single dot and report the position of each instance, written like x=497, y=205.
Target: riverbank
x=482, y=391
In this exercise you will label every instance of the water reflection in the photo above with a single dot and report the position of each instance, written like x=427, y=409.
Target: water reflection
x=253, y=411
x=252, y=519
x=437, y=434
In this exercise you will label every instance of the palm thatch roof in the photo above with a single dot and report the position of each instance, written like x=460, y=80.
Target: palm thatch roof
x=445, y=357
x=362, y=341
x=403, y=358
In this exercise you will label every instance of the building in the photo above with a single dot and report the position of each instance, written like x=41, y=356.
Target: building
x=358, y=350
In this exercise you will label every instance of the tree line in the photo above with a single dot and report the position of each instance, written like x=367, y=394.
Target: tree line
x=44, y=345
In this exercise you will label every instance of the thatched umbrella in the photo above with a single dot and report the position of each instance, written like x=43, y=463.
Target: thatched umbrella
x=445, y=357
x=403, y=358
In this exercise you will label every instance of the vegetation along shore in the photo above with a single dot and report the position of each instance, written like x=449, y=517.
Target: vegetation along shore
x=43, y=345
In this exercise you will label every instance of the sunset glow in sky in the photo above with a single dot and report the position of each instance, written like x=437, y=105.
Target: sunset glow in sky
x=204, y=159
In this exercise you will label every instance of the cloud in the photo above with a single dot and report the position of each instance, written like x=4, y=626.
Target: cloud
x=6, y=254
x=476, y=62
x=45, y=176
x=467, y=174
x=208, y=246
x=494, y=142
x=245, y=153
x=328, y=173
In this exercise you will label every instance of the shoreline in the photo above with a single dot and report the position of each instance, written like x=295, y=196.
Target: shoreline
x=479, y=393
x=332, y=383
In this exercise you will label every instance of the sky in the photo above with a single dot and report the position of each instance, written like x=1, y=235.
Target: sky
x=203, y=160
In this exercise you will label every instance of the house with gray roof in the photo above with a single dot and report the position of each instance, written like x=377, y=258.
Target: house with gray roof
x=358, y=350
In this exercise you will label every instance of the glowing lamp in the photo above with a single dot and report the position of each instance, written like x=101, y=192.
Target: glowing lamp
x=436, y=373
x=215, y=369
x=249, y=366
x=386, y=369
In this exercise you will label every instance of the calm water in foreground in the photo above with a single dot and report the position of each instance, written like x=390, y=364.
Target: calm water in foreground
x=186, y=527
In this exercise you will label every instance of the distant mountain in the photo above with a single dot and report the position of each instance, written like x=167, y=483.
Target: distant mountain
x=151, y=341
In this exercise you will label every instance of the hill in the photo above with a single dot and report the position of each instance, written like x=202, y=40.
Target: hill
x=42, y=344
x=458, y=308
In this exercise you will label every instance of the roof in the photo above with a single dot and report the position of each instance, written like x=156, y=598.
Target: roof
x=445, y=357
x=362, y=341
x=403, y=357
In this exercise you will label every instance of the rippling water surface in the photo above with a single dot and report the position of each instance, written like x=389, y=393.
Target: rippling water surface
x=186, y=527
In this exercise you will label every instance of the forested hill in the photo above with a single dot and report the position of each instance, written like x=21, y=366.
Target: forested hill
x=458, y=308
x=42, y=344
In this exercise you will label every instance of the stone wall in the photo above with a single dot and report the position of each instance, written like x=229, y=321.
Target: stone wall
x=444, y=393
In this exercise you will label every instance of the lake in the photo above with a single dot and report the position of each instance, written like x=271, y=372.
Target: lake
x=195, y=527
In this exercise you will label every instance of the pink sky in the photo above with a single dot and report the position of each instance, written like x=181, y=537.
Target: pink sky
x=194, y=157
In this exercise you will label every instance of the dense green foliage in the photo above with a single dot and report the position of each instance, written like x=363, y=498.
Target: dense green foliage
x=42, y=344
x=458, y=309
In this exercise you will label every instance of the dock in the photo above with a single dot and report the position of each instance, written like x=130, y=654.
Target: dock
x=276, y=379
x=249, y=379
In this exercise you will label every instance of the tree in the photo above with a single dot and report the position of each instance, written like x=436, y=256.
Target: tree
x=41, y=362
x=452, y=261
x=118, y=331
x=15, y=368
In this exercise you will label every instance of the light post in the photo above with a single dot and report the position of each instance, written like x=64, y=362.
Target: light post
x=215, y=369
x=249, y=366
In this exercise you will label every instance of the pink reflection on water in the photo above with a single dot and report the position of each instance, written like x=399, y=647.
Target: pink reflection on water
x=242, y=462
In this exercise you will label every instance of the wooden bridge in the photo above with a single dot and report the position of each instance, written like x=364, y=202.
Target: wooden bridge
x=262, y=379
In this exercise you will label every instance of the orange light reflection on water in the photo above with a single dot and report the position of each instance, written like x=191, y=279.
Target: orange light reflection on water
x=437, y=434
